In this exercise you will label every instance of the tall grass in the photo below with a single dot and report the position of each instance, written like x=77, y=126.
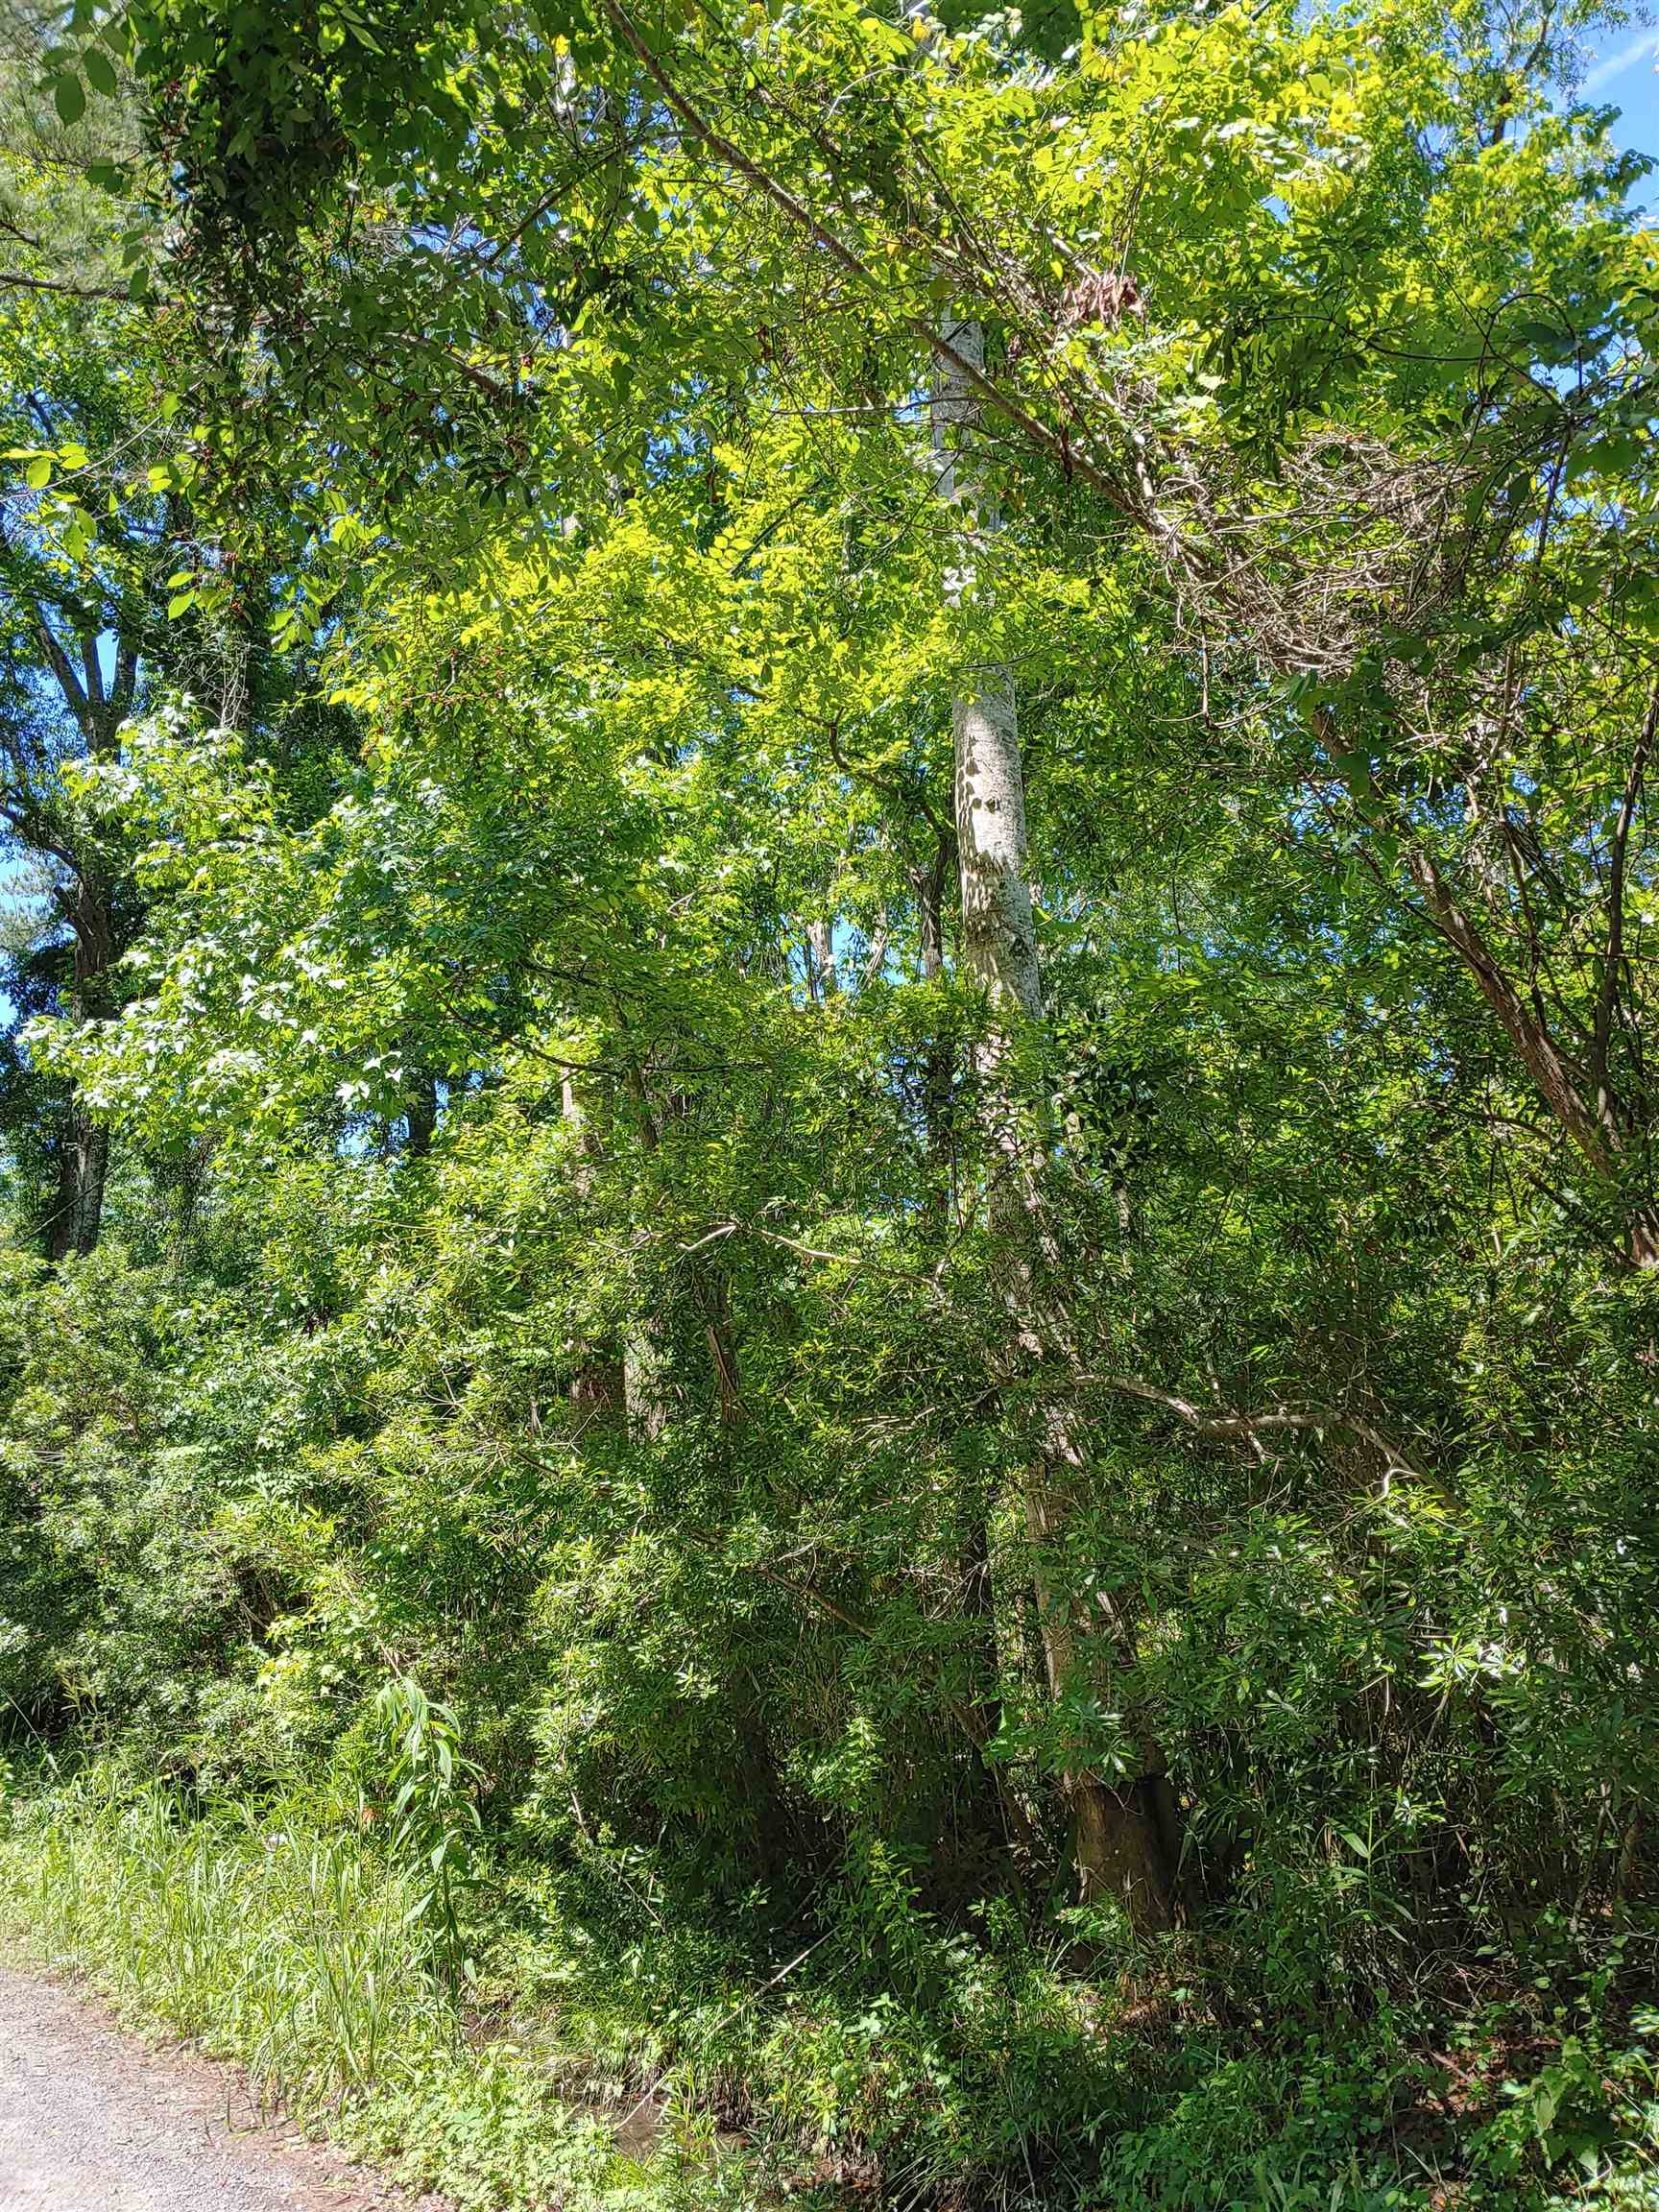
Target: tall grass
x=284, y=1947
x=294, y=1950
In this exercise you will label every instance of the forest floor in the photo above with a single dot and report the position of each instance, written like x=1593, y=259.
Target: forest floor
x=92, y=2121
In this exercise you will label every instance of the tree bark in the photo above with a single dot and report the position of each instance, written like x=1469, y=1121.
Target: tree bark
x=821, y=979
x=1116, y=1838
x=420, y=1116
x=83, y=1172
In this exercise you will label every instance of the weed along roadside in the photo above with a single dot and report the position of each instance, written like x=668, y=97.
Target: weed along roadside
x=321, y=1972
x=348, y=1994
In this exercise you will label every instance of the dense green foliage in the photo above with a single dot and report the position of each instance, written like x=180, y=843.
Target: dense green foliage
x=833, y=1234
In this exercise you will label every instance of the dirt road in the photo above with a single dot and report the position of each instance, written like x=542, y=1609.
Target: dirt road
x=91, y=2121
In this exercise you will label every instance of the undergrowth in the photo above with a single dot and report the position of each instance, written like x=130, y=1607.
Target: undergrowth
x=486, y=2033
x=316, y=1965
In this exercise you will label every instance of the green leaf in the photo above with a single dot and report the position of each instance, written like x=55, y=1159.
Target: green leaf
x=101, y=72
x=78, y=535
x=1353, y=767
x=69, y=98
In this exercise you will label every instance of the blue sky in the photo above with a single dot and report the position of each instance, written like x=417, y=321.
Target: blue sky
x=1623, y=75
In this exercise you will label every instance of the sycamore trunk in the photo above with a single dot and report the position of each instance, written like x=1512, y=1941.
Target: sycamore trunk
x=1118, y=1841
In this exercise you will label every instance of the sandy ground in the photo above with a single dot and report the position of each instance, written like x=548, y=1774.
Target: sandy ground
x=91, y=2121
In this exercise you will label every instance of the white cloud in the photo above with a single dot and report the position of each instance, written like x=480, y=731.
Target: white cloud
x=1614, y=65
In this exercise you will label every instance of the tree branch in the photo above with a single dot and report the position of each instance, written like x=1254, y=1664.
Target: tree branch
x=1051, y=442
x=1213, y=1427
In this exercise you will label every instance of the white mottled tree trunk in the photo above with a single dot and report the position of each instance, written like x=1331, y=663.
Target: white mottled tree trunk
x=1118, y=1845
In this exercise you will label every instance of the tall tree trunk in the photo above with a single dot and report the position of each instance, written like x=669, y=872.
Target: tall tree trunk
x=645, y=1383
x=420, y=1114
x=1118, y=1842
x=60, y=1224
x=821, y=979
x=92, y=1175
x=83, y=1171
